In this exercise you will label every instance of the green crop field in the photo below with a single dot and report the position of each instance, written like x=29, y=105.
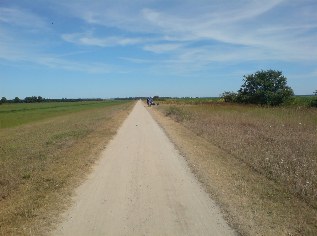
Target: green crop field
x=12, y=115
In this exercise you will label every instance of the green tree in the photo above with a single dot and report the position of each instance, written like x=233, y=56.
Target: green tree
x=40, y=99
x=32, y=99
x=265, y=88
x=3, y=100
x=17, y=100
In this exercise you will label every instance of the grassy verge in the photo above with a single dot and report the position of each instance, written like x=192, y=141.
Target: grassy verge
x=260, y=163
x=42, y=160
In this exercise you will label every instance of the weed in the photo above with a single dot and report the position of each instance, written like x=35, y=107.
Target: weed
x=177, y=113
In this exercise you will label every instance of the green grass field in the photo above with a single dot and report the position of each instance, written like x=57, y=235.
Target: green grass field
x=12, y=115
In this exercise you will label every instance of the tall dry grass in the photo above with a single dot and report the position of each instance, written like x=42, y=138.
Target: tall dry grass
x=280, y=143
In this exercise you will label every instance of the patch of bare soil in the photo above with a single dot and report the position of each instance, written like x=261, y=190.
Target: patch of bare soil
x=251, y=203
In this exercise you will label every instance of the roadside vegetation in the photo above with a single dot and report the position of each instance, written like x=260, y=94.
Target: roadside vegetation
x=252, y=203
x=45, y=151
x=279, y=143
x=256, y=154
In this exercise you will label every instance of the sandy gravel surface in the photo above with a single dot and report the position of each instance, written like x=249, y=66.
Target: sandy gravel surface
x=142, y=186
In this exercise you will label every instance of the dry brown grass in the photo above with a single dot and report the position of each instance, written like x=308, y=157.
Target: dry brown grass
x=41, y=162
x=280, y=143
x=264, y=172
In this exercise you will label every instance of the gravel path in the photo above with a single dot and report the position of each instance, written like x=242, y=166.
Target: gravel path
x=142, y=186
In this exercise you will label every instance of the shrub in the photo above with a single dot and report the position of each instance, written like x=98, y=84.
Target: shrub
x=229, y=96
x=313, y=103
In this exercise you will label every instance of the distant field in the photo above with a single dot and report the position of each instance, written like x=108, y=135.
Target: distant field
x=16, y=114
x=45, y=150
x=279, y=142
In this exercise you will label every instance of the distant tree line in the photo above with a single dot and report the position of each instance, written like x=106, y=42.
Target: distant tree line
x=39, y=99
x=144, y=98
x=130, y=98
x=134, y=98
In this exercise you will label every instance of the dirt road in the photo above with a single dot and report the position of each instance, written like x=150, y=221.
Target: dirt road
x=142, y=186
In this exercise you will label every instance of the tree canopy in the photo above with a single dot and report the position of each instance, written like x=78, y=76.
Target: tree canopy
x=263, y=87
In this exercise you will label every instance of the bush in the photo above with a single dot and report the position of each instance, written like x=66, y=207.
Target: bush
x=313, y=103
x=229, y=96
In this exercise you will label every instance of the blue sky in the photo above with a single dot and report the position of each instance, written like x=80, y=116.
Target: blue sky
x=123, y=48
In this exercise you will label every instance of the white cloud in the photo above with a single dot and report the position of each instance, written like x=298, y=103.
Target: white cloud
x=19, y=52
x=89, y=40
x=245, y=22
x=189, y=32
x=163, y=48
x=54, y=61
x=92, y=67
x=136, y=60
x=21, y=18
